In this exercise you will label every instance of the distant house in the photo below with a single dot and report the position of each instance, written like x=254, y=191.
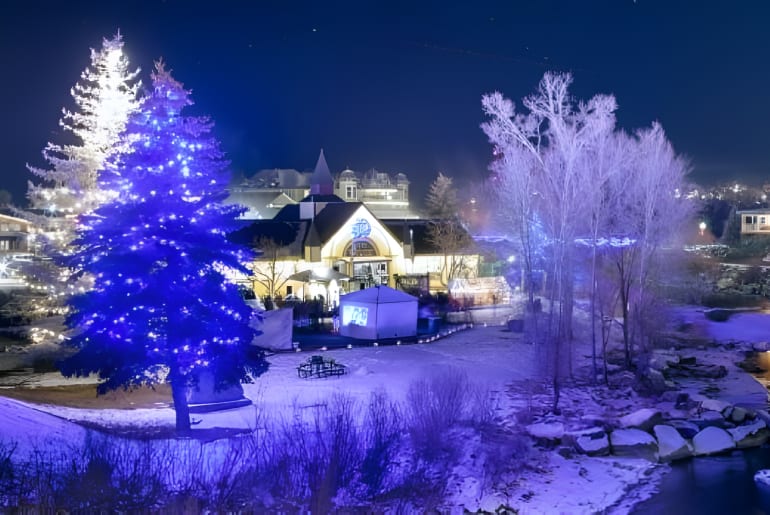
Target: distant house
x=755, y=221
x=14, y=235
x=15, y=248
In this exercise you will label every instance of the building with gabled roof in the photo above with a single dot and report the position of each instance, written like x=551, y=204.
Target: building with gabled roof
x=325, y=233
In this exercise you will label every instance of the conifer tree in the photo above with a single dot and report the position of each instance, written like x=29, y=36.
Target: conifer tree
x=446, y=231
x=162, y=302
x=441, y=200
x=104, y=99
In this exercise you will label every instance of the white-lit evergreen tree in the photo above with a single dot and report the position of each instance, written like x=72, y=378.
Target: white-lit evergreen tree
x=104, y=98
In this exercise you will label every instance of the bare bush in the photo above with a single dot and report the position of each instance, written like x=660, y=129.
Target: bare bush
x=382, y=430
x=313, y=456
x=434, y=405
x=482, y=406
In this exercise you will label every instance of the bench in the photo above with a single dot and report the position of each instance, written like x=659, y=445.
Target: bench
x=317, y=366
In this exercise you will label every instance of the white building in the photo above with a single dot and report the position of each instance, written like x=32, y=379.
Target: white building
x=755, y=221
x=268, y=191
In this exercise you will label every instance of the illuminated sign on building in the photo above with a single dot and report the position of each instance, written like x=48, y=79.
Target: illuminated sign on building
x=361, y=228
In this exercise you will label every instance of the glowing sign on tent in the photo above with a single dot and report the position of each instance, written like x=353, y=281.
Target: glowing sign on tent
x=354, y=315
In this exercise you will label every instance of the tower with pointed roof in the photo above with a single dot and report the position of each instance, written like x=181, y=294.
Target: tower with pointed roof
x=321, y=182
x=321, y=191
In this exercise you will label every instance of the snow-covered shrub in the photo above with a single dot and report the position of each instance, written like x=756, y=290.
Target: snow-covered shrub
x=312, y=456
x=8, y=478
x=381, y=431
x=482, y=406
x=434, y=405
x=115, y=474
x=506, y=454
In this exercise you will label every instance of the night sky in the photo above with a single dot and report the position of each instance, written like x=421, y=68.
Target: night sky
x=397, y=85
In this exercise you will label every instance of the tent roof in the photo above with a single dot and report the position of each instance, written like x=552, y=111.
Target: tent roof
x=378, y=295
x=322, y=275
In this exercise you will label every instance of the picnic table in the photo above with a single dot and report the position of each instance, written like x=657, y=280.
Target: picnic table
x=317, y=366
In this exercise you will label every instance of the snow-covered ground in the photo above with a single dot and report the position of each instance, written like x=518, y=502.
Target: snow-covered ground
x=492, y=358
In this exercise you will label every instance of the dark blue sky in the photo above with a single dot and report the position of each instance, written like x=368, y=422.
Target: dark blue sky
x=396, y=85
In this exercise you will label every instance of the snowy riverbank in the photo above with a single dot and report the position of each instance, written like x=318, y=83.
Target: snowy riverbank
x=501, y=363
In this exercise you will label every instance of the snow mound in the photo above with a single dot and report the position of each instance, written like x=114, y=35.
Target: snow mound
x=31, y=429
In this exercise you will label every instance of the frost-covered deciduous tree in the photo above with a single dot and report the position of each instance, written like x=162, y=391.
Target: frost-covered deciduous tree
x=562, y=165
x=160, y=258
x=105, y=97
x=511, y=185
x=606, y=164
x=650, y=214
x=551, y=143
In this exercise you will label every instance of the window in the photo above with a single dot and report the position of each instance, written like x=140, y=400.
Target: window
x=360, y=249
x=748, y=220
x=762, y=219
x=350, y=192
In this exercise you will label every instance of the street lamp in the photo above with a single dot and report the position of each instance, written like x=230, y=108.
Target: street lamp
x=702, y=227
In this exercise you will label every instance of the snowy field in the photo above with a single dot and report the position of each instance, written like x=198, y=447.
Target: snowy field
x=495, y=360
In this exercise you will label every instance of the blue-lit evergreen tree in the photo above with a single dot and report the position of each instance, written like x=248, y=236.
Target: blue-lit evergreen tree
x=162, y=303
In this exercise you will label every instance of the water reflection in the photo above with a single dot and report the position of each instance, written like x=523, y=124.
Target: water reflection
x=713, y=485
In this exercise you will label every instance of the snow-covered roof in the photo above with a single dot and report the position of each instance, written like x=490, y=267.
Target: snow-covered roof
x=378, y=295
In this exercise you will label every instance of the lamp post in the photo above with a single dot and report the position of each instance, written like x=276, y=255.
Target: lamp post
x=702, y=227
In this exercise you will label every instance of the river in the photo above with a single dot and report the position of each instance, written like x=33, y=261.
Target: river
x=713, y=485
x=716, y=484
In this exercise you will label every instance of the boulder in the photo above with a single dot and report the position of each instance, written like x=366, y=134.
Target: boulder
x=712, y=440
x=644, y=419
x=711, y=419
x=714, y=405
x=671, y=445
x=672, y=396
x=593, y=446
x=592, y=442
x=762, y=478
x=633, y=443
x=655, y=381
x=546, y=430
x=684, y=402
x=738, y=415
x=685, y=428
x=663, y=359
x=750, y=435
x=762, y=414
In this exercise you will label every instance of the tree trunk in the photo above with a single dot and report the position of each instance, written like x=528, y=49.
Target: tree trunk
x=624, y=276
x=182, y=410
x=593, y=315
